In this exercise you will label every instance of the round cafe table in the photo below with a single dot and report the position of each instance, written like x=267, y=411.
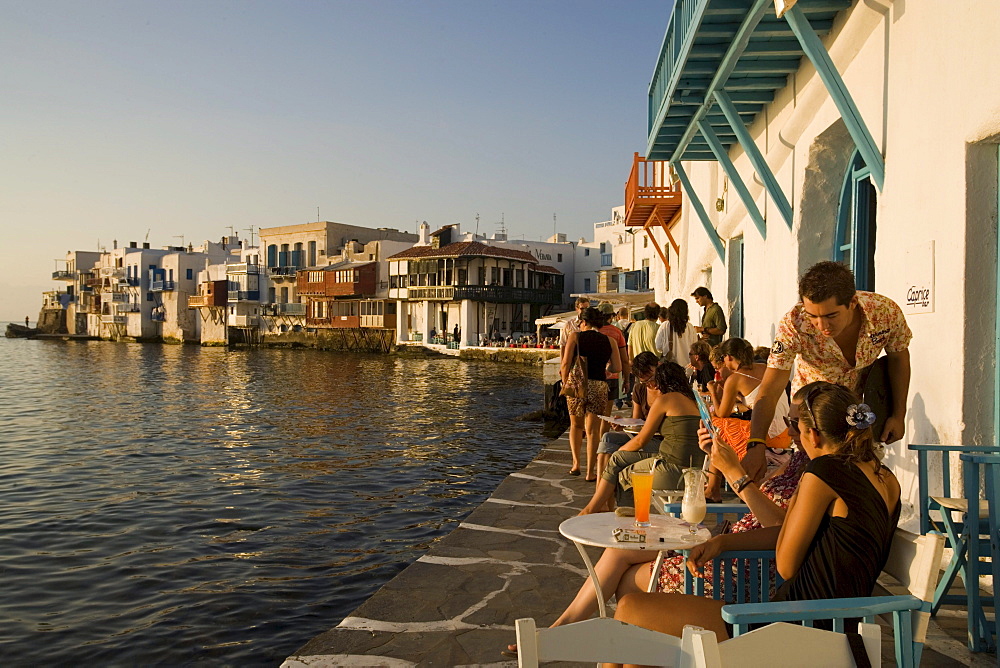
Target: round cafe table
x=595, y=530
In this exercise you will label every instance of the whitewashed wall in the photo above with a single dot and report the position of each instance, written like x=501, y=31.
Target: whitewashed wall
x=925, y=78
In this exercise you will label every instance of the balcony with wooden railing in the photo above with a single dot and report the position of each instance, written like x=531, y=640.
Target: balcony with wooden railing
x=651, y=193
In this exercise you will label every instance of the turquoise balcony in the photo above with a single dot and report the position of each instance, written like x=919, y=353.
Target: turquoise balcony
x=737, y=46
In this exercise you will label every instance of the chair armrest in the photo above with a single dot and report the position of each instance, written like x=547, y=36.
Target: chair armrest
x=988, y=449
x=830, y=608
x=712, y=508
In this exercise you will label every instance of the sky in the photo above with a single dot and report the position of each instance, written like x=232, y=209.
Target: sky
x=174, y=120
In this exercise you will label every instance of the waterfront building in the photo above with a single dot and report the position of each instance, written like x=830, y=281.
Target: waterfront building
x=291, y=248
x=488, y=290
x=210, y=305
x=862, y=132
x=67, y=310
x=176, y=279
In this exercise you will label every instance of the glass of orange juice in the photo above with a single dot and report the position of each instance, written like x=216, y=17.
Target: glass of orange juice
x=642, y=491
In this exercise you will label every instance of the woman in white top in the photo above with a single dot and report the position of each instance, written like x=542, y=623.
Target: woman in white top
x=742, y=385
x=675, y=336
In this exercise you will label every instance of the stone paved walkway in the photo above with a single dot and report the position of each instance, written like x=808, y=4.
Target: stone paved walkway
x=456, y=605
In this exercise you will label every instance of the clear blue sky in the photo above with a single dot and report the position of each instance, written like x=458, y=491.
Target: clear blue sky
x=186, y=117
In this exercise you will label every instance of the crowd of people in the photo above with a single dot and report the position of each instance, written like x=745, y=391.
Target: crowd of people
x=822, y=392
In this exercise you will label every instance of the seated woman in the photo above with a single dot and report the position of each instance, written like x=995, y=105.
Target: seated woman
x=837, y=532
x=644, y=368
x=674, y=415
x=699, y=366
x=622, y=572
x=743, y=383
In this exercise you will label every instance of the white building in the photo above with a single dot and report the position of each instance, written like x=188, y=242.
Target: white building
x=861, y=132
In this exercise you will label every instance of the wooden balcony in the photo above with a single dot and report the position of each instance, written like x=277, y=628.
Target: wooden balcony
x=650, y=193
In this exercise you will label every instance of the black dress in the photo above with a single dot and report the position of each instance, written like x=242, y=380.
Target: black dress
x=597, y=349
x=848, y=553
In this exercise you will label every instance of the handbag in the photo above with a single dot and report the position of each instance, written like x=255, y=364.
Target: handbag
x=576, y=381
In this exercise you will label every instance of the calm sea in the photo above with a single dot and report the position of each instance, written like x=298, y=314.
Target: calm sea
x=180, y=505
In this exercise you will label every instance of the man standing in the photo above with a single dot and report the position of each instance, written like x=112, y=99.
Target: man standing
x=642, y=335
x=835, y=333
x=573, y=324
x=663, y=337
x=713, y=320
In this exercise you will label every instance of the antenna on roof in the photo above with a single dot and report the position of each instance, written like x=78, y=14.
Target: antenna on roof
x=147, y=236
x=232, y=230
x=477, y=223
x=251, y=231
x=553, y=224
x=181, y=237
x=317, y=215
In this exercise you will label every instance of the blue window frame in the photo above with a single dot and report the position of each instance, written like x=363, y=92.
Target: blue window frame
x=855, y=245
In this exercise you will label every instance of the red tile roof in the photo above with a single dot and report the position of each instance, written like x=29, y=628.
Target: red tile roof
x=545, y=269
x=464, y=249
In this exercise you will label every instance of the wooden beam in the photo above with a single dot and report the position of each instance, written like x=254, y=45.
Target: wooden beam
x=652, y=237
x=706, y=223
x=835, y=85
x=756, y=158
x=666, y=228
x=722, y=155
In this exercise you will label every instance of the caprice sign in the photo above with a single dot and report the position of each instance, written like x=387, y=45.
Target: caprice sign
x=919, y=276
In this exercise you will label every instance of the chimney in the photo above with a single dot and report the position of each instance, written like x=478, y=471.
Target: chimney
x=425, y=234
x=133, y=244
x=114, y=244
x=145, y=244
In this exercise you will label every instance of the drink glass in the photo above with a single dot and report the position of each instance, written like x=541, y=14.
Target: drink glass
x=693, y=507
x=642, y=492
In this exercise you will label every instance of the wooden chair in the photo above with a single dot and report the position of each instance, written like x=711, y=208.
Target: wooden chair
x=612, y=641
x=983, y=555
x=669, y=507
x=951, y=517
x=913, y=561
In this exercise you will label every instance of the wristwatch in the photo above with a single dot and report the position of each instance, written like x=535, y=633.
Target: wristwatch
x=740, y=483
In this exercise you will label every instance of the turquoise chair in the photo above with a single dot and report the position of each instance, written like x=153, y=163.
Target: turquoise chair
x=986, y=469
x=913, y=562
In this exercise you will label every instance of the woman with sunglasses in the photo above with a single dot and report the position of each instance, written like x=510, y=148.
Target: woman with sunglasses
x=836, y=534
x=674, y=416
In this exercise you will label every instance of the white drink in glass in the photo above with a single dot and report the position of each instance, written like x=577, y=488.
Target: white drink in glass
x=693, y=510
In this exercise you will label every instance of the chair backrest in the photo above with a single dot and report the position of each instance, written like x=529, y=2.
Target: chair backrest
x=797, y=645
x=744, y=576
x=596, y=640
x=915, y=562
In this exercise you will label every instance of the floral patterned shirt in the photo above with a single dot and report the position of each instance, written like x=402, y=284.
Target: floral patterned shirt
x=818, y=357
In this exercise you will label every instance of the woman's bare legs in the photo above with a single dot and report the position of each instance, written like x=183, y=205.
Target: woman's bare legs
x=613, y=571
x=593, y=439
x=670, y=613
x=601, y=501
x=618, y=571
x=575, y=439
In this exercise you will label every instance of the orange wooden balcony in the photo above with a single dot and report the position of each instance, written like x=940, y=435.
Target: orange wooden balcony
x=651, y=194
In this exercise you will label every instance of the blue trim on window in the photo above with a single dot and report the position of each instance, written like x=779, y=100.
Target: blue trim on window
x=853, y=243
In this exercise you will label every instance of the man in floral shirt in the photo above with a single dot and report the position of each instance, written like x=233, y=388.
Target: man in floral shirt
x=834, y=334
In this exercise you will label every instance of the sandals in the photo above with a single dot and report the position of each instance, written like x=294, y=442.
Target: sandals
x=511, y=651
x=573, y=472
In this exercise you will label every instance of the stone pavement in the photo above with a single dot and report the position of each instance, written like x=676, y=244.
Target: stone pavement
x=456, y=605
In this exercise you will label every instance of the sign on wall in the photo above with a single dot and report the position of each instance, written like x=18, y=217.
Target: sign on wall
x=919, y=275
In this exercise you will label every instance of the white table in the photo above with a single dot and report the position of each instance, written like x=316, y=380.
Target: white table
x=595, y=530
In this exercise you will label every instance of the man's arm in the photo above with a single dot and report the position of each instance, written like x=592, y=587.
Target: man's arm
x=771, y=386
x=899, y=381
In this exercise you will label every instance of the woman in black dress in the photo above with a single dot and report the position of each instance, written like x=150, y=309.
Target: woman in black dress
x=837, y=531
x=601, y=354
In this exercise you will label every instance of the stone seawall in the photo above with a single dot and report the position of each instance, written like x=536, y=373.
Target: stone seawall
x=456, y=605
